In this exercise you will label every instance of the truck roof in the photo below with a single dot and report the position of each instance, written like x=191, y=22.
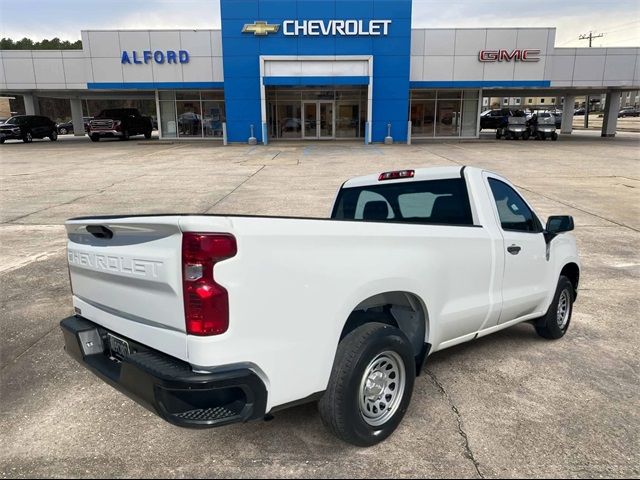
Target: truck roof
x=431, y=173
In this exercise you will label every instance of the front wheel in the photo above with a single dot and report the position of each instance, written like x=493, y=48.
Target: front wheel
x=95, y=137
x=556, y=322
x=125, y=135
x=147, y=134
x=554, y=136
x=370, y=386
x=525, y=135
x=54, y=136
x=63, y=131
x=28, y=137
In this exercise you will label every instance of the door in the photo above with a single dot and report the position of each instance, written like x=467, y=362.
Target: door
x=525, y=279
x=319, y=122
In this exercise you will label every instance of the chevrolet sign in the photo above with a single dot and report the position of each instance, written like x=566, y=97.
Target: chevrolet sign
x=315, y=28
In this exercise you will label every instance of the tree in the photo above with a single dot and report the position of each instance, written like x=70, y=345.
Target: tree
x=28, y=44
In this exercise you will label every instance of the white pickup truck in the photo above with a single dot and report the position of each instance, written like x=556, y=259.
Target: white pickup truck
x=209, y=319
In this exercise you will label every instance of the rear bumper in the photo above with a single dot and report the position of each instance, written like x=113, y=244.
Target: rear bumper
x=165, y=385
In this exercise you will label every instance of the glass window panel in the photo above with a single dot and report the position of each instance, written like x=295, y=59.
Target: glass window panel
x=188, y=95
x=347, y=119
x=471, y=94
x=449, y=94
x=423, y=94
x=212, y=95
x=448, y=118
x=167, y=95
x=169, y=124
x=189, y=119
x=469, y=117
x=422, y=118
x=212, y=117
x=289, y=120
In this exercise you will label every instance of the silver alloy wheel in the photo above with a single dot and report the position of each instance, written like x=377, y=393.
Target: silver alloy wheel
x=564, y=308
x=382, y=388
x=63, y=131
x=29, y=137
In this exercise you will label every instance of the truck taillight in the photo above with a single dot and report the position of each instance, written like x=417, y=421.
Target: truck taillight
x=396, y=175
x=206, y=304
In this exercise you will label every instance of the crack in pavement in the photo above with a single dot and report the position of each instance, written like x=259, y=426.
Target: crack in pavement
x=231, y=192
x=467, y=447
x=82, y=197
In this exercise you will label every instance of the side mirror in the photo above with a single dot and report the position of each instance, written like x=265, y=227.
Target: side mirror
x=559, y=223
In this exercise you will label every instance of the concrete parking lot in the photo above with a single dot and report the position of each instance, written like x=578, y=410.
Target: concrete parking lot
x=510, y=404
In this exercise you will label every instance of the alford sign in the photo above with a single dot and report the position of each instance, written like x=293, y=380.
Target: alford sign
x=321, y=28
x=528, y=55
x=157, y=56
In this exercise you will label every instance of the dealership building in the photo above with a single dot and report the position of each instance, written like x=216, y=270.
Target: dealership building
x=320, y=70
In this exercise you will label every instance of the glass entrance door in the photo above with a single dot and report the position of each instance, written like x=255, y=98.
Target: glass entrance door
x=319, y=121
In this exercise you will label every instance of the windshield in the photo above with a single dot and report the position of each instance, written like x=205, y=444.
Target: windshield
x=16, y=121
x=117, y=112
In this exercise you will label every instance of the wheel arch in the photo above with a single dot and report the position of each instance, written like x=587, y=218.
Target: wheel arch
x=401, y=309
x=571, y=270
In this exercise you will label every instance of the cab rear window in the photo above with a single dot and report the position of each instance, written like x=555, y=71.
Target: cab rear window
x=441, y=202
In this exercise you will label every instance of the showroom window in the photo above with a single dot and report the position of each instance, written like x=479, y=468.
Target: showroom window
x=191, y=113
x=443, y=113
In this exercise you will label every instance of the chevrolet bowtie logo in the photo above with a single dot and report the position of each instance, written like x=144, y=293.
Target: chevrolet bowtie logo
x=260, y=28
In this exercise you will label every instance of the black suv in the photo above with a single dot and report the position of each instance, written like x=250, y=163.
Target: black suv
x=495, y=118
x=121, y=123
x=28, y=127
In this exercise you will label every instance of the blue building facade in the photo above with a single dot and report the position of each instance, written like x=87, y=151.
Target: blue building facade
x=358, y=49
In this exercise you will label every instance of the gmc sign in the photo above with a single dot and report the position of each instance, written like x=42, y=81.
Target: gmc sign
x=528, y=55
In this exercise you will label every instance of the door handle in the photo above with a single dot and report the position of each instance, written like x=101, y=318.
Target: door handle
x=514, y=249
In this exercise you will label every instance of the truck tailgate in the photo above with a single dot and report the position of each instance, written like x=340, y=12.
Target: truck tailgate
x=126, y=275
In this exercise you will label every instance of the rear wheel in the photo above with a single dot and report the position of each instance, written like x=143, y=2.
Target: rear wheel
x=125, y=135
x=525, y=135
x=62, y=131
x=554, y=136
x=95, y=137
x=556, y=322
x=147, y=134
x=54, y=136
x=498, y=135
x=28, y=138
x=370, y=386
x=1, y=141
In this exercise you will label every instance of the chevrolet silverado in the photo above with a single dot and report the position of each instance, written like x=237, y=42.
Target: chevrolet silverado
x=211, y=319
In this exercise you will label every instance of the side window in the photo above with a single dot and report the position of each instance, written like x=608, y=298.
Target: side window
x=513, y=211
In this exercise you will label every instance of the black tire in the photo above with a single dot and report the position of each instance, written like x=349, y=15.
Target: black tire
x=95, y=137
x=1, y=141
x=498, y=135
x=340, y=405
x=125, y=135
x=554, y=136
x=147, y=134
x=54, y=136
x=27, y=138
x=525, y=135
x=550, y=326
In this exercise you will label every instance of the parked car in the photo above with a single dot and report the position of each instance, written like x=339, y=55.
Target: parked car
x=495, y=118
x=629, y=112
x=121, y=123
x=578, y=111
x=208, y=320
x=67, y=127
x=28, y=127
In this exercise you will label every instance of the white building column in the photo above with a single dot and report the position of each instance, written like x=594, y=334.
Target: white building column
x=567, y=114
x=611, y=110
x=31, y=106
x=76, y=117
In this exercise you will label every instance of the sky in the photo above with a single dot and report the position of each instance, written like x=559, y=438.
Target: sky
x=619, y=20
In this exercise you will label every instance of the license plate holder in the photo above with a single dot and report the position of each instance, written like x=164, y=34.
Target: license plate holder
x=118, y=347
